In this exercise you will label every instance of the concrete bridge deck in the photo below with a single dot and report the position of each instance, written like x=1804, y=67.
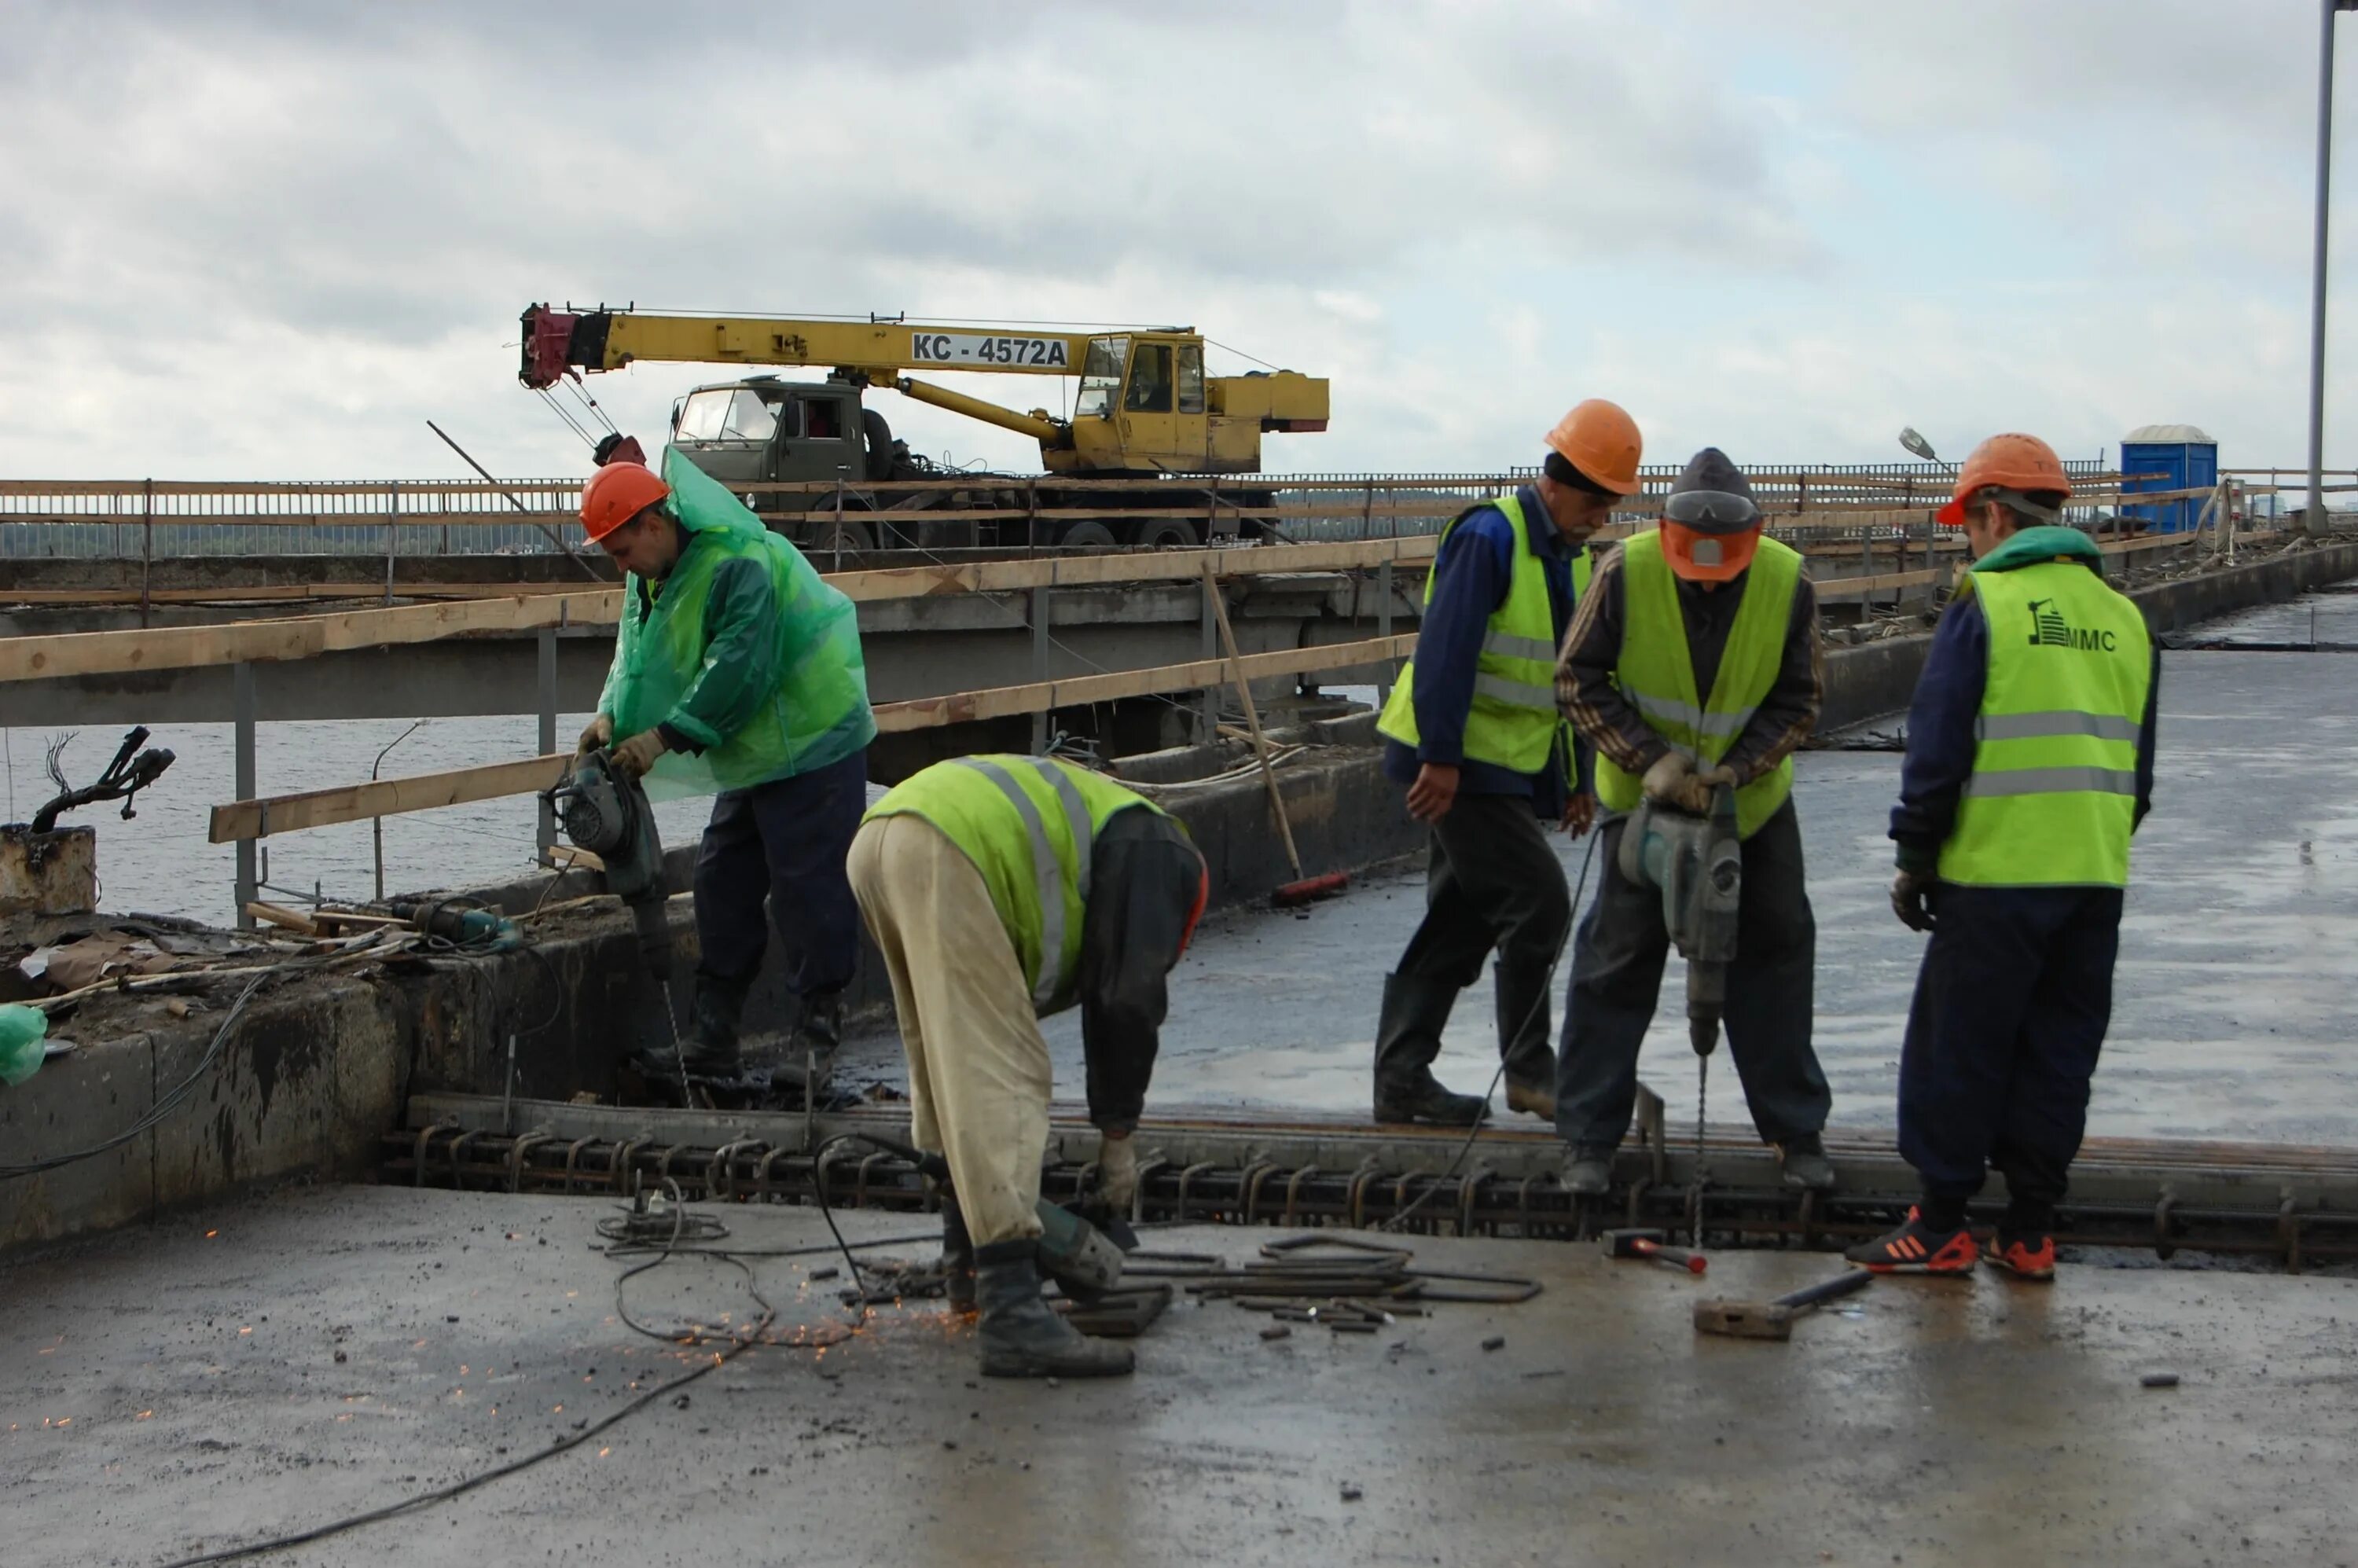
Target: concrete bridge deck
x=272, y=1363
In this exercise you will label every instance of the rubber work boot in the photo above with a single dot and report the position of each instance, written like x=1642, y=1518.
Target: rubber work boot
x=1588, y=1170
x=710, y=1049
x=1408, y=1037
x=1805, y=1164
x=1523, y=1042
x=958, y=1257
x=1917, y=1247
x=818, y=1032
x=2024, y=1257
x=1529, y=1097
x=1022, y=1335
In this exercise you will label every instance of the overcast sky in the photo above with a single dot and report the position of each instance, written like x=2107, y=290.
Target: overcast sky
x=273, y=240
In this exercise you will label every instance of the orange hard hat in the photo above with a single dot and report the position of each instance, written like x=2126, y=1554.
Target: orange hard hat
x=1601, y=440
x=616, y=494
x=1711, y=524
x=2023, y=464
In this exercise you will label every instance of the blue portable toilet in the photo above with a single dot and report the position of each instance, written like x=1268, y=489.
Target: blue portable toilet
x=2177, y=456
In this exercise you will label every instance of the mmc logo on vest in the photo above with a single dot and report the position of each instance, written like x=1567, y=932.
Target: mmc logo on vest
x=2052, y=797
x=2050, y=630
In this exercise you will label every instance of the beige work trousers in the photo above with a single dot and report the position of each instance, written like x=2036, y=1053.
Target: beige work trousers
x=978, y=1072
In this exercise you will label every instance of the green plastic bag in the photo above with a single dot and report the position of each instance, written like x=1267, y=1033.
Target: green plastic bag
x=21, y=1029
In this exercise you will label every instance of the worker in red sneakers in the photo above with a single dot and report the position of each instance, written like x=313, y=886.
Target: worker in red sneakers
x=2029, y=764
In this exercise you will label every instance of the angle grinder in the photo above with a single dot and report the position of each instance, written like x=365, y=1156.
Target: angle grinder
x=1081, y=1251
x=605, y=811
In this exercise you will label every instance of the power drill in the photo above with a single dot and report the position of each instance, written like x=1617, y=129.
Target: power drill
x=1698, y=864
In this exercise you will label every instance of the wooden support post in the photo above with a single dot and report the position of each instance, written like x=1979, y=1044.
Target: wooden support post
x=1384, y=629
x=544, y=835
x=147, y=544
x=391, y=535
x=1210, y=728
x=244, y=715
x=1040, y=612
x=1252, y=720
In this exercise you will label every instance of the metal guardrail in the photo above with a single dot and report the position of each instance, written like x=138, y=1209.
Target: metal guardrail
x=151, y=519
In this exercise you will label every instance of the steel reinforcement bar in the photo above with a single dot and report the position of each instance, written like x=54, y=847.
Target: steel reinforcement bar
x=2290, y=1206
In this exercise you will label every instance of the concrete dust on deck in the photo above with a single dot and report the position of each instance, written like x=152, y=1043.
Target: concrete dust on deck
x=176, y=1386
x=2239, y=955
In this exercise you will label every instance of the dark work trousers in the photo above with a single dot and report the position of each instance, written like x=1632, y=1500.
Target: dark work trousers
x=1492, y=882
x=785, y=842
x=2011, y=1010
x=1616, y=975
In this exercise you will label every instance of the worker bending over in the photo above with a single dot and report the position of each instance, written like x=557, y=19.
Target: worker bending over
x=2029, y=764
x=1693, y=662
x=1001, y=889
x=1472, y=729
x=737, y=669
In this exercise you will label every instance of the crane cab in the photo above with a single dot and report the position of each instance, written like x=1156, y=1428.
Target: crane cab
x=767, y=428
x=1146, y=406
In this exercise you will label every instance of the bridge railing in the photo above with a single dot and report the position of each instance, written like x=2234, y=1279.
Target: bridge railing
x=151, y=519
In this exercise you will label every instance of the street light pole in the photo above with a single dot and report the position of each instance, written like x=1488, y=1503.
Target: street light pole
x=2327, y=11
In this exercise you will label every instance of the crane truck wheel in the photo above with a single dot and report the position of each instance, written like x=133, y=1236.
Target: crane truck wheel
x=849, y=536
x=1168, y=533
x=879, y=437
x=1088, y=533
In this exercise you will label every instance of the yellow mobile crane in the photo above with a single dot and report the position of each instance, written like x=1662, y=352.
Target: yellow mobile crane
x=1145, y=407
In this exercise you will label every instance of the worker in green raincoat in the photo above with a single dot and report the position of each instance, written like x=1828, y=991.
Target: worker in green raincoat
x=737, y=671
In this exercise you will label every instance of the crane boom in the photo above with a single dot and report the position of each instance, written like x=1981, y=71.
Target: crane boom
x=1145, y=405
x=558, y=342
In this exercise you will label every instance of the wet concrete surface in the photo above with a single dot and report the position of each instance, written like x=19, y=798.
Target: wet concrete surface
x=182, y=1389
x=2239, y=956
x=277, y=1363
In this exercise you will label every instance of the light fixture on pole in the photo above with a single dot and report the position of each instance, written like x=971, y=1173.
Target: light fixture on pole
x=1923, y=448
x=2329, y=10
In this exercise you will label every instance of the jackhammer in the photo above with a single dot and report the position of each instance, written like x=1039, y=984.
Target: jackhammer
x=1698, y=864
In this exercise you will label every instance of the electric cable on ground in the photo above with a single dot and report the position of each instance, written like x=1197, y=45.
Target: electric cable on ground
x=735, y=1346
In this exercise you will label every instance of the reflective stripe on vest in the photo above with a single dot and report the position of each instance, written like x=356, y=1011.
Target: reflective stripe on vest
x=1048, y=872
x=1655, y=673
x=1029, y=825
x=2038, y=726
x=2052, y=796
x=1512, y=722
x=1670, y=711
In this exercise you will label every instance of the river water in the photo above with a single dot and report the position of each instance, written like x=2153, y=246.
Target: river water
x=159, y=862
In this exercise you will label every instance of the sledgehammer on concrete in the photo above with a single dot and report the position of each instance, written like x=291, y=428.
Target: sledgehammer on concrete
x=1774, y=1320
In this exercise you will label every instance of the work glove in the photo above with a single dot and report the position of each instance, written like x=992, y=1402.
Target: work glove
x=1909, y=891
x=1667, y=776
x=637, y=754
x=1699, y=787
x=600, y=732
x=1118, y=1171
x=1672, y=780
